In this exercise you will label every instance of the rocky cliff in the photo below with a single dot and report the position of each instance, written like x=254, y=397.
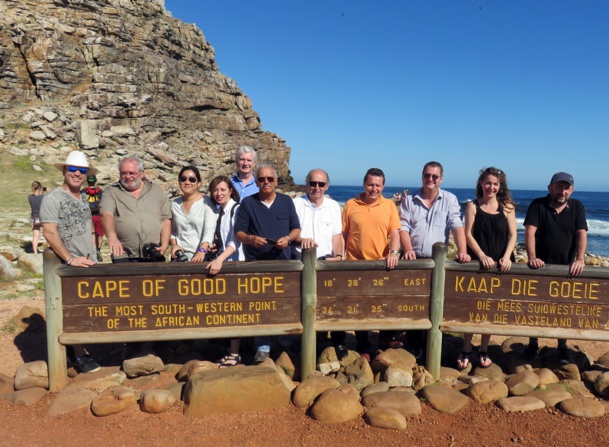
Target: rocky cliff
x=112, y=77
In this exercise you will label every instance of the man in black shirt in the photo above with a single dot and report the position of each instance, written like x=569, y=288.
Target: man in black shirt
x=555, y=233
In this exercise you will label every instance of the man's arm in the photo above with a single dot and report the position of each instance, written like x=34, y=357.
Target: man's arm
x=407, y=246
x=116, y=248
x=529, y=243
x=394, y=245
x=165, y=235
x=337, y=248
x=580, y=261
x=51, y=234
x=459, y=235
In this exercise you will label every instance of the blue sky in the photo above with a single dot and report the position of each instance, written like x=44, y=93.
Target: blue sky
x=522, y=85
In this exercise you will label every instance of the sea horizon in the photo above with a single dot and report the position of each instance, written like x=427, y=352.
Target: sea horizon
x=596, y=205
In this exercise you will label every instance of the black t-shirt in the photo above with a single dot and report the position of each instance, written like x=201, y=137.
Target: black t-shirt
x=556, y=235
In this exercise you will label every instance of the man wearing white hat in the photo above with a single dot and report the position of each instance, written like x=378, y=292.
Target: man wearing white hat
x=68, y=228
x=66, y=218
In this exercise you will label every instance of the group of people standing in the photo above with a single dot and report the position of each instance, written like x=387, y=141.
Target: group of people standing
x=246, y=219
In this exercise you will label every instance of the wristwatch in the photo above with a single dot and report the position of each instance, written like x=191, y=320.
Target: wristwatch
x=395, y=252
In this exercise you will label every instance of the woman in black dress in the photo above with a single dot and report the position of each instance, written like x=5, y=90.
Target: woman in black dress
x=490, y=230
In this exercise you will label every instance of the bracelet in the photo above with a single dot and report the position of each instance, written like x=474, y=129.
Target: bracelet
x=69, y=261
x=202, y=250
x=251, y=243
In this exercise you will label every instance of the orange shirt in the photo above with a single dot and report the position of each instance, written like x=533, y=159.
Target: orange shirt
x=368, y=227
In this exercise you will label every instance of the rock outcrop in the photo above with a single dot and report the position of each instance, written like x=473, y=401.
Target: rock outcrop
x=112, y=77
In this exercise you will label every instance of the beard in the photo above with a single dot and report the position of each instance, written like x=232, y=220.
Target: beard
x=133, y=185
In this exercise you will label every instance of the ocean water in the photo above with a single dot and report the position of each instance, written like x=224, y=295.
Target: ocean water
x=596, y=204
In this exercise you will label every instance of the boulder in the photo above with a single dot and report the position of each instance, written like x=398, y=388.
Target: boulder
x=335, y=407
x=114, y=401
x=443, y=399
x=32, y=375
x=70, y=399
x=581, y=407
x=520, y=404
x=142, y=366
x=306, y=393
x=385, y=418
x=406, y=403
x=520, y=384
x=27, y=397
x=156, y=401
x=234, y=390
x=601, y=384
x=398, y=358
x=487, y=391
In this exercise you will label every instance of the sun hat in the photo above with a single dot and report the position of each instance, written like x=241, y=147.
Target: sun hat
x=78, y=159
x=562, y=177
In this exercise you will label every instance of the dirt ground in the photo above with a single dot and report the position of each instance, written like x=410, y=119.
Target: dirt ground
x=476, y=424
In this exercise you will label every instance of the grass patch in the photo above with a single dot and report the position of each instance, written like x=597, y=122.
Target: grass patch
x=16, y=177
x=9, y=327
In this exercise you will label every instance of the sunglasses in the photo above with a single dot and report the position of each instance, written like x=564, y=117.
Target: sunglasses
x=190, y=179
x=433, y=176
x=318, y=184
x=268, y=179
x=75, y=168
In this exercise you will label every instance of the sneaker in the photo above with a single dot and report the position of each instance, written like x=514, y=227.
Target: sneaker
x=86, y=365
x=261, y=356
x=564, y=355
x=341, y=352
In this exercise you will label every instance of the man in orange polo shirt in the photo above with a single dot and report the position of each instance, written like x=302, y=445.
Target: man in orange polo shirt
x=368, y=221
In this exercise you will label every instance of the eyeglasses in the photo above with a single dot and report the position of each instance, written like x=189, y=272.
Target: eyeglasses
x=432, y=176
x=317, y=184
x=190, y=179
x=129, y=174
x=75, y=168
x=268, y=179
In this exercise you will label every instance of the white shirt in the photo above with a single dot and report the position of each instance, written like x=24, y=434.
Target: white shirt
x=319, y=223
x=228, y=234
x=191, y=230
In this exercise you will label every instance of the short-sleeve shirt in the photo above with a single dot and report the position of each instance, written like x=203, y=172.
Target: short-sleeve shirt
x=273, y=222
x=244, y=190
x=73, y=219
x=368, y=227
x=35, y=202
x=138, y=220
x=192, y=229
x=319, y=223
x=427, y=226
x=556, y=235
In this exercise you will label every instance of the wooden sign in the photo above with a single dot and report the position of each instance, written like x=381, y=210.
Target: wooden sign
x=132, y=303
x=373, y=294
x=527, y=301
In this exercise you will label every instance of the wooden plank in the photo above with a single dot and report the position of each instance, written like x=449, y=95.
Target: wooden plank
x=178, y=334
x=562, y=306
x=178, y=268
x=116, y=303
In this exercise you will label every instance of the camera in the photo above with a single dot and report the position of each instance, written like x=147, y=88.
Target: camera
x=44, y=189
x=180, y=256
x=151, y=253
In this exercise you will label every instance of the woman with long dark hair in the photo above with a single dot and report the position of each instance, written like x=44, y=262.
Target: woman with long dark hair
x=490, y=230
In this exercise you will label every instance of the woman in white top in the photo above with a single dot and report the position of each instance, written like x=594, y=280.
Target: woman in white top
x=193, y=218
x=224, y=195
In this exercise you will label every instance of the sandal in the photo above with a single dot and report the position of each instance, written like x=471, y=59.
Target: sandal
x=229, y=360
x=484, y=359
x=463, y=359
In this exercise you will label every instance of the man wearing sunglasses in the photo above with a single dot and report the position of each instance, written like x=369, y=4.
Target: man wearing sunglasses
x=320, y=219
x=266, y=225
x=429, y=216
x=135, y=214
x=69, y=231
